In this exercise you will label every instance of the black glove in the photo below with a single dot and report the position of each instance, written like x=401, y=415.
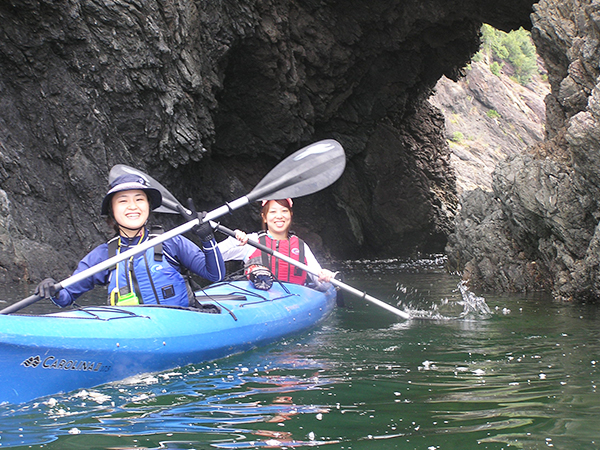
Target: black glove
x=204, y=231
x=46, y=288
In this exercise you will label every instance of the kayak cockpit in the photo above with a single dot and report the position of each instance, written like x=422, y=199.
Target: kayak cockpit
x=217, y=298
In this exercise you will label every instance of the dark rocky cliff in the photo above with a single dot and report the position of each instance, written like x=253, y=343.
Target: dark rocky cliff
x=208, y=96
x=539, y=227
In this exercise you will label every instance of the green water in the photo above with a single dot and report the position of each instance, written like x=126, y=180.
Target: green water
x=522, y=374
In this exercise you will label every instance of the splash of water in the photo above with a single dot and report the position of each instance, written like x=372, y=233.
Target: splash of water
x=468, y=306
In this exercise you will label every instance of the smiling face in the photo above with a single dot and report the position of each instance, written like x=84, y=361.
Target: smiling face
x=130, y=210
x=278, y=219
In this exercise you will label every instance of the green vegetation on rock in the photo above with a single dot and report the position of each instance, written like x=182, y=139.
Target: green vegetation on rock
x=493, y=114
x=496, y=68
x=515, y=49
x=457, y=137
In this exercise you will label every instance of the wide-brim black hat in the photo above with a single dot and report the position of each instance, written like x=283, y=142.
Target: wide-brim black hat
x=131, y=182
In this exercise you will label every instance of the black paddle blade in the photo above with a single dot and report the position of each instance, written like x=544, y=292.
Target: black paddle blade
x=169, y=202
x=306, y=171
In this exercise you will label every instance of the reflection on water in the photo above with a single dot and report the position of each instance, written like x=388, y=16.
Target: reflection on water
x=472, y=372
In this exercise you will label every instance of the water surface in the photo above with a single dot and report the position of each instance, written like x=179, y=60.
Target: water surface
x=472, y=372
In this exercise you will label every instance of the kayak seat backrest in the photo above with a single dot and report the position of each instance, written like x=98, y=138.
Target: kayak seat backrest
x=221, y=297
x=213, y=308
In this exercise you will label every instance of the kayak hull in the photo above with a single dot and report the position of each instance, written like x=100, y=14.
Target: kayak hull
x=44, y=355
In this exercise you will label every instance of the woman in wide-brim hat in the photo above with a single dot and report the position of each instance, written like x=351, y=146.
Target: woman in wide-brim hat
x=155, y=276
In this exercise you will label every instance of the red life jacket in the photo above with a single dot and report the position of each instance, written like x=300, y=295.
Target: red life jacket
x=292, y=247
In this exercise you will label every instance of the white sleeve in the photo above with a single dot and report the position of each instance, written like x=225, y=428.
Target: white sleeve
x=231, y=249
x=312, y=263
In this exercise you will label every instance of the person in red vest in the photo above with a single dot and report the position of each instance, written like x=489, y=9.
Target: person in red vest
x=260, y=266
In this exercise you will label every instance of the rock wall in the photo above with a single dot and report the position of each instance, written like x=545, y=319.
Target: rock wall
x=538, y=229
x=488, y=118
x=208, y=96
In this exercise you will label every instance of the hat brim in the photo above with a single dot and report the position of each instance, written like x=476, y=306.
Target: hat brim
x=154, y=195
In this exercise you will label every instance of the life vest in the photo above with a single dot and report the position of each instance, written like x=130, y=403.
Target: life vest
x=292, y=247
x=146, y=278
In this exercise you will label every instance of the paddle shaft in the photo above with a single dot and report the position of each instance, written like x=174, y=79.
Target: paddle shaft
x=304, y=267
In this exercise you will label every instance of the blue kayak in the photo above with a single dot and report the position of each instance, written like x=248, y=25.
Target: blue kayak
x=81, y=348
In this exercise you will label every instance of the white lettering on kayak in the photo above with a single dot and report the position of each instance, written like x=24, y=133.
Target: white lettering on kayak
x=52, y=362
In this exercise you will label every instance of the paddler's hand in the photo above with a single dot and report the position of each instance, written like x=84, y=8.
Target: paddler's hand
x=241, y=236
x=204, y=231
x=46, y=289
x=325, y=275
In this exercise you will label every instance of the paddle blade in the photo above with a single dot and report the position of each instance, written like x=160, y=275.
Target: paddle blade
x=169, y=202
x=306, y=171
